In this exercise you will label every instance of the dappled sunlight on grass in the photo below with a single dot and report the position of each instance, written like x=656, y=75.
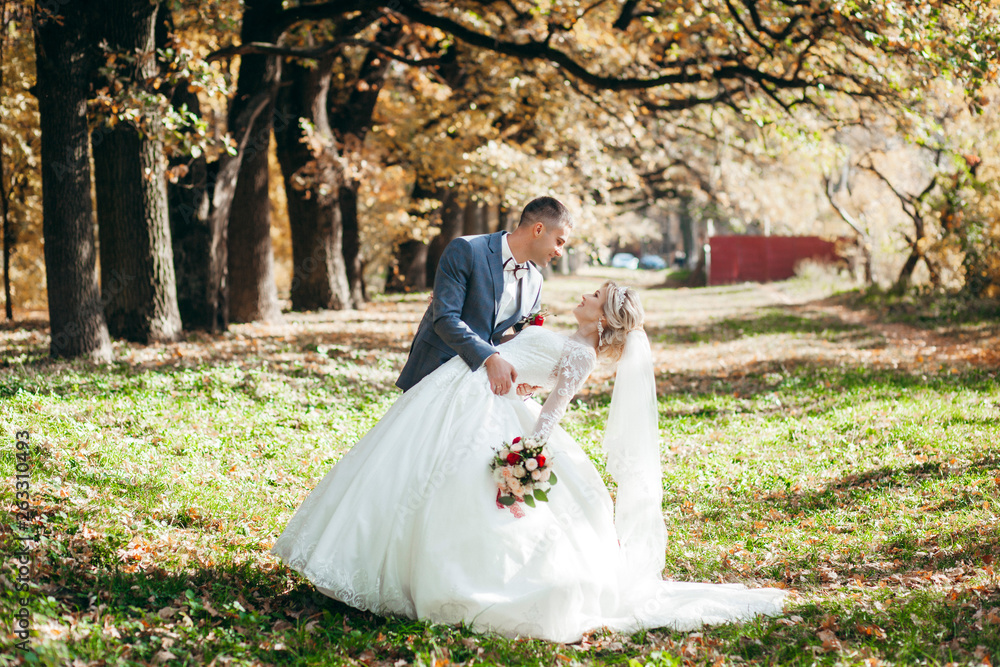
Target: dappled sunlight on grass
x=806, y=444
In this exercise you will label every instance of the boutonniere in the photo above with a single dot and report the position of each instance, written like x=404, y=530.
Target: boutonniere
x=536, y=319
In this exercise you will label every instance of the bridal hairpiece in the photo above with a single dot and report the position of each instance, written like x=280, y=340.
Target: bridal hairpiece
x=618, y=296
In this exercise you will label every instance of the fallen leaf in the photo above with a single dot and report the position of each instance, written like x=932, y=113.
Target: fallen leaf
x=830, y=640
x=871, y=631
x=167, y=612
x=163, y=657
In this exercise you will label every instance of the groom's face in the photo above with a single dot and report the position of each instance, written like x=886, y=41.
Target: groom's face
x=547, y=243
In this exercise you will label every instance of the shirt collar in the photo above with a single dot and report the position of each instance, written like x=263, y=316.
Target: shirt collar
x=506, y=255
x=505, y=252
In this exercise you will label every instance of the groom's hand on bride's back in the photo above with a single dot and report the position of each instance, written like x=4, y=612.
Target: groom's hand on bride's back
x=501, y=374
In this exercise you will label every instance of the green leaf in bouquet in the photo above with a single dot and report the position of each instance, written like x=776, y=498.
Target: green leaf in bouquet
x=507, y=500
x=529, y=500
x=553, y=479
x=540, y=495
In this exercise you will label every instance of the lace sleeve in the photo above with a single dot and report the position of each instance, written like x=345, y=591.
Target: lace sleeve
x=573, y=368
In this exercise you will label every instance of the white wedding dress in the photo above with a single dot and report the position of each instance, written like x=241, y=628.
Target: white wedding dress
x=407, y=521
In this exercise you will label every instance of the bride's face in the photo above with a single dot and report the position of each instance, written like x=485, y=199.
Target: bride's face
x=591, y=306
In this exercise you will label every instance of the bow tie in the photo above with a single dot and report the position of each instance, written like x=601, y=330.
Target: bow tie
x=517, y=269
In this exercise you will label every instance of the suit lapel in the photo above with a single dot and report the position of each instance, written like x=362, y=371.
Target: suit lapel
x=496, y=271
x=532, y=286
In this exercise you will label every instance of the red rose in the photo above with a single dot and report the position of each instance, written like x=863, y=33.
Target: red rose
x=537, y=320
x=541, y=460
x=516, y=440
x=513, y=458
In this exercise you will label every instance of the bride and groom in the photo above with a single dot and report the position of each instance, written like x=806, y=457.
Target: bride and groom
x=408, y=521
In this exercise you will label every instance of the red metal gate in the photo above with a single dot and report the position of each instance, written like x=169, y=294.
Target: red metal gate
x=736, y=259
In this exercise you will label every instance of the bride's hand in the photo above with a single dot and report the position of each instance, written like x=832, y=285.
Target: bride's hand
x=525, y=389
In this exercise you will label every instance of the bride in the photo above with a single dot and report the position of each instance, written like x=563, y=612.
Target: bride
x=408, y=522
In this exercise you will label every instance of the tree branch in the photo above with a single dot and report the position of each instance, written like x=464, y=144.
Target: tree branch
x=318, y=52
x=272, y=50
x=841, y=211
x=679, y=104
x=542, y=51
x=751, y=6
x=628, y=14
x=326, y=10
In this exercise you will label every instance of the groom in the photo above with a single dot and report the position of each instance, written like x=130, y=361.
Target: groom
x=483, y=285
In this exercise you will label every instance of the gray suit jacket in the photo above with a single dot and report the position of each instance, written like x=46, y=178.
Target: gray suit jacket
x=467, y=290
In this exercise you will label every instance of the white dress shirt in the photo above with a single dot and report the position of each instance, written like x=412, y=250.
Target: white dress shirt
x=511, y=286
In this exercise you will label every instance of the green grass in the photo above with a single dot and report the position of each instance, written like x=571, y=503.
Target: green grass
x=872, y=493
x=930, y=309
x=767, y=321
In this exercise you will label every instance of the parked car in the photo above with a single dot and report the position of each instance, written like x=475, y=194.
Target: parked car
x=652, y=263
x=625, y=260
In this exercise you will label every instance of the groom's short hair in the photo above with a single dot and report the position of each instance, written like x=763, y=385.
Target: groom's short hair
x=547, y=210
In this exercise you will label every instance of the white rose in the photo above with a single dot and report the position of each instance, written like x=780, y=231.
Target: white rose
x=516, y=447
x=538, y=474
x=504, y=452
x=546, y=474
x=519, y=471
x=516, y=488
x=498, y=475
x=531, y=464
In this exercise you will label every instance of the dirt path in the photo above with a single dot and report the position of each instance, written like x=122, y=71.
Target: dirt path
x=714, y=331
x=973, y=346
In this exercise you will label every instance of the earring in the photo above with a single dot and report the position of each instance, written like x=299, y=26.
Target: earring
x=600, y=333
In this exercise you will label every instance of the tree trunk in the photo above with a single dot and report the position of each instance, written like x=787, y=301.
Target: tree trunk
x=195, y=241
x=351, y=123
x=352, y=241
x=319, y=278
x=905, y=277
x=252, y=292
x=137, y=267
x=906, y=273
x=494, y=222
x=451, y=229
x=189, y=200
x=199, y=216
x=474, y=218
x=65, y=66
x=866, y=259
x=687, y=233
x=863, y=239
x=408, y=273
x=200, y=202
x=505, y=221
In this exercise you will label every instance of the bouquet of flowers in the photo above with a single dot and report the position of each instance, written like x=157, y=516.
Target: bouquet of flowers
x=522, y=471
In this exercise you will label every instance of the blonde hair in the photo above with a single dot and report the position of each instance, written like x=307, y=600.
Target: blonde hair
x=623, y=313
